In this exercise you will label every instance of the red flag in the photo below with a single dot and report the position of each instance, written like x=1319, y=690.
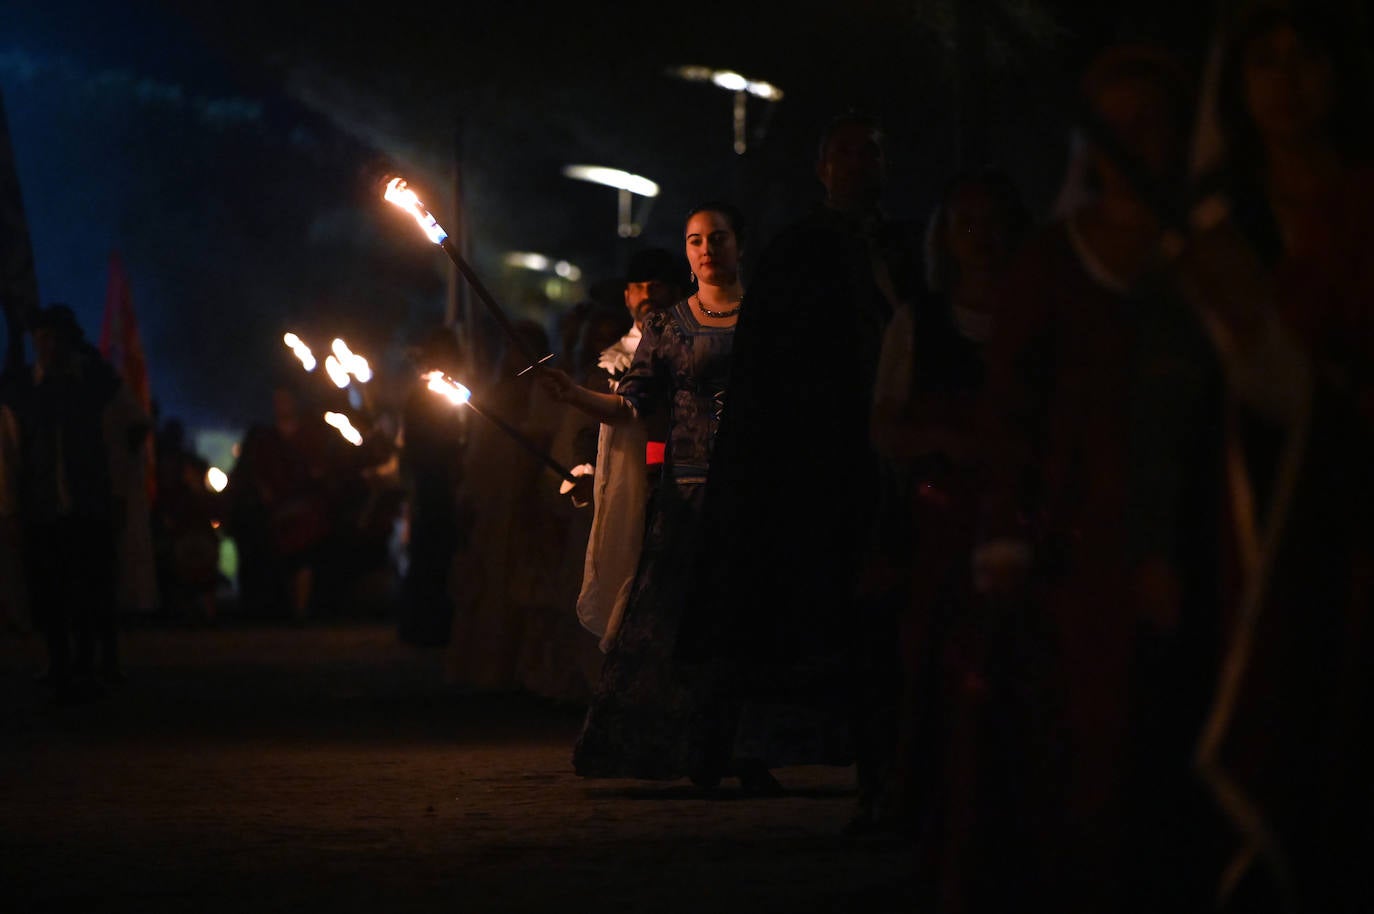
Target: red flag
x=120, y=342
x=122, y=347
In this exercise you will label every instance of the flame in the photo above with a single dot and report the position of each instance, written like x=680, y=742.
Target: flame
x=301, y=350
x=216, y=479
x=346, y=429
x=446, y=387
x=399, y=194
x=337, y=373
x=351, y=362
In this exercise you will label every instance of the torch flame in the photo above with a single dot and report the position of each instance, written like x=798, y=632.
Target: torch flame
x=301, y=350
x=346, y=429
x=337, y=373
x=446, y=387
x=399, y=194
x=351, y=362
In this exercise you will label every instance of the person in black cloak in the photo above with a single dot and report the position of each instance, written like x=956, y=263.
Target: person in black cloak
x=794, y=487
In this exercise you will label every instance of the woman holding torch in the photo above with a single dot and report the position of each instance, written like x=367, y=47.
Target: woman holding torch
x=653, y=718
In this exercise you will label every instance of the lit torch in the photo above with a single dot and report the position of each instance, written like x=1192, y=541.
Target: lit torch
x=346, y=429
x=301, y=350
x=337, y=373
x=459, y=395
x=351, y=362
x=400, y=195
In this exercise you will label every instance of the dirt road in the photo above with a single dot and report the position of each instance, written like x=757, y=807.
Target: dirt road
x=329, y=767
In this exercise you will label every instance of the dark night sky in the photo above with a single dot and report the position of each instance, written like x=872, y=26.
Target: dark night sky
x=228, y=150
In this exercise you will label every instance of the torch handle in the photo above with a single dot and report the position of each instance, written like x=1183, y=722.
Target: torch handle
x=525, y=443
x=499, y=315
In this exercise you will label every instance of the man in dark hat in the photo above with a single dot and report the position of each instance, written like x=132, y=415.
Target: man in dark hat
x=653, y=281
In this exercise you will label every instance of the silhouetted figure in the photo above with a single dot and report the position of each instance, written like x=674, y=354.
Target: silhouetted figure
x=68, y=510
x=279, y=509
x=511, y=569
x=432, y=459
x=795, y=484
x=930, y=375
x=1056, y=558
x=1280, y=270
x=187, y=542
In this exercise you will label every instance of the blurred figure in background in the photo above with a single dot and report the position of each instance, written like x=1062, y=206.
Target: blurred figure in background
x=68, y=507
x=516, y=544
x=931, y=372
x=14, y=603
x=433, y=453
x=279, y=512
x=1054, y=558
x=1280, y=268
x=184, y=527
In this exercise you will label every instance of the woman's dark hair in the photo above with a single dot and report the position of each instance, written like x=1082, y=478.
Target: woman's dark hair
x=940, y=268
x=731, y=213
x=1348, y=124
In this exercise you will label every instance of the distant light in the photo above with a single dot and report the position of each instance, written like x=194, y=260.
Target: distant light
x=730, y=80
x=527, y=261
x=694, y=74
x=216, y=479
x=765, y=90
x=613, y=177
x=538, y=263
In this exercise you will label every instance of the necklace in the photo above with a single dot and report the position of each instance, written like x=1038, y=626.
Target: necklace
x=718, y=314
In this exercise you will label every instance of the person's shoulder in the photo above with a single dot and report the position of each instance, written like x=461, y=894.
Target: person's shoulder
x=659, y=322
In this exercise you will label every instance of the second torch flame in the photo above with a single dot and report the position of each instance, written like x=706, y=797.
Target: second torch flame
x=346, y=429
x=301, y=350
x=399, y=194
x=446, y=387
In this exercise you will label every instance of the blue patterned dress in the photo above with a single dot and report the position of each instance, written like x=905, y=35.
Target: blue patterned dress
x=653, y=718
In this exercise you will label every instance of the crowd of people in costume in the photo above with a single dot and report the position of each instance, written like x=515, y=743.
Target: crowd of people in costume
x=1052, y=525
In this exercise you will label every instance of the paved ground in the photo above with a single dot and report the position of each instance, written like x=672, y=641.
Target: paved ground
x=258, y=768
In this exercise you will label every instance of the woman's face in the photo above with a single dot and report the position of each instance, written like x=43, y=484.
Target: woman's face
x=712, y=249
x=1287, y=85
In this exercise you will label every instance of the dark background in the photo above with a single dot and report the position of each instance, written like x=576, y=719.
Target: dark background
x=230, y=151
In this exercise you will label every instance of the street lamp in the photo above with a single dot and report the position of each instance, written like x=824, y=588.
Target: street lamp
x=628, y=185
x=741, y=86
